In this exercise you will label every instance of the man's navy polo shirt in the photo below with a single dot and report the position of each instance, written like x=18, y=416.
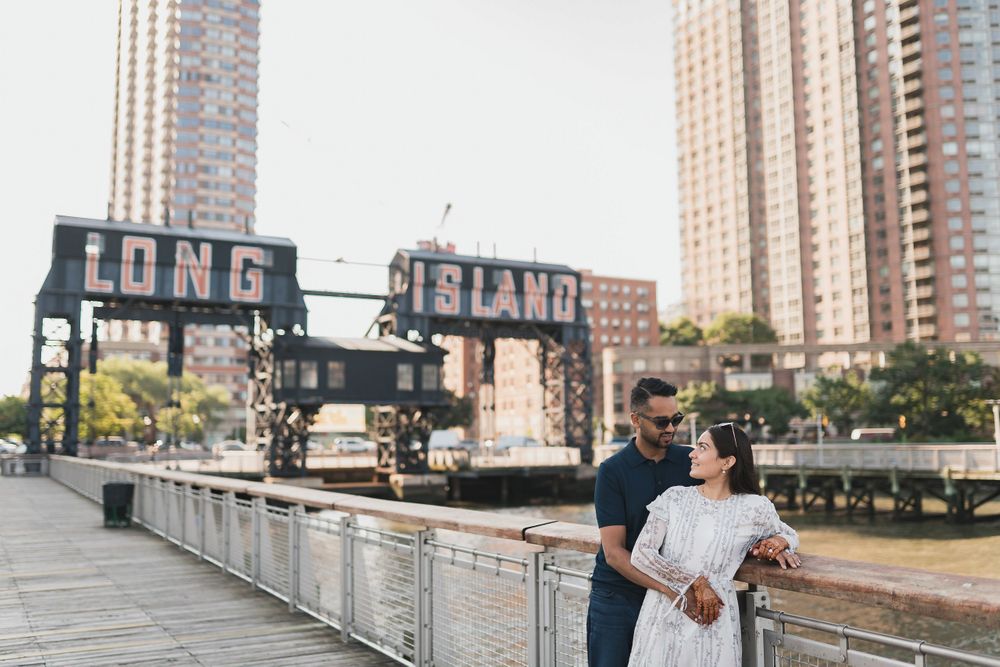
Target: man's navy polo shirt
x=626, y=483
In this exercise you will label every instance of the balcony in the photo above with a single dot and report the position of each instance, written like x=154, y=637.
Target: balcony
x=922, y=234
x=918, y=178
x=911, y=51
x=914, y=105
x=918, y=196
x=919, y=216
x=909, y=33
x=917, y=160
x=923, y=272
x=922, y=254
x=914, y=123
x=926, y=331
x=913, y=86
x=924, y=292
x=926, y=312
x=909, y=15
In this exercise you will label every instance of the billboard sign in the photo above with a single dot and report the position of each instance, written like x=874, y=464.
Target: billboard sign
x=442, y=285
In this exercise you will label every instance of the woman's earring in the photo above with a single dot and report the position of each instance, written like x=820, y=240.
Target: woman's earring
x=724, y=471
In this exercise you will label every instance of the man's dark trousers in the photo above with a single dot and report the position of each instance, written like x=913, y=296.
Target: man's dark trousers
x=611, y=621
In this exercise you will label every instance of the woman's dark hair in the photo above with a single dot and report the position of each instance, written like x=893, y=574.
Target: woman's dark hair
x=645, y=389
x=731, y=440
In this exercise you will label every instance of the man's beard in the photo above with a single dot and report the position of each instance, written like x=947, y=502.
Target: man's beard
x=663, y=440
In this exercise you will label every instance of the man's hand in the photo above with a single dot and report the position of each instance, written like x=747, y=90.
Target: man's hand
x=707, y=604
x=775, y=548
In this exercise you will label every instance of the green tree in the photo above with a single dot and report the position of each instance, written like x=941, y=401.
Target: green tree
x=201, y=406
x=144, y=381
x=941, y=393
x=682, y=331
x=13, y=416
x=715, y=404
x=845, y=400
x=707, y=399
x=199, y=411
x=776, y=406
x=104, y=408
x=730, y=328
x=458, y=412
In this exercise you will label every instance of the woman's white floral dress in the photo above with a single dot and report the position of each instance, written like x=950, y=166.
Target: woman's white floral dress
x=688, y=535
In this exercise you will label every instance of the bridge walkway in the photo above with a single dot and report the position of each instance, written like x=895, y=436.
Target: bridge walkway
x=75, y=593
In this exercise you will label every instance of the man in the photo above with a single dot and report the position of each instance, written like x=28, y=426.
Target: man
x=627, y=482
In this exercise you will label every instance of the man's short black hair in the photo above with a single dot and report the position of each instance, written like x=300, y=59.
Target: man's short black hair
x=645, y=389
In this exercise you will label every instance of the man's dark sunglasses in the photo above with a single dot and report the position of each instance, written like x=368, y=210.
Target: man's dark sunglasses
x=661, y=423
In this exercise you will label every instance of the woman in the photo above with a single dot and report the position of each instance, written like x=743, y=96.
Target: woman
x=695, y=539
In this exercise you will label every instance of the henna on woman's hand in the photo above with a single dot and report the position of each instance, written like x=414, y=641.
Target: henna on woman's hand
x=707, y=602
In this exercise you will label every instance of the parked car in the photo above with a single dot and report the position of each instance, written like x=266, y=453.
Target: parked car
x=8, y=446
x=876, y=434
x=353, y=445
x=443, y=439
x=505, y=442
x=228, y=446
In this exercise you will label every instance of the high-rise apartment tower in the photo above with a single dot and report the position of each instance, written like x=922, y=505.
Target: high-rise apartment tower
x=185, y=141
x=839, y=170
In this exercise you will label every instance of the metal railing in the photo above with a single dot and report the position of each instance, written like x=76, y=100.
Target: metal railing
x=442, y=586
x=931, y=458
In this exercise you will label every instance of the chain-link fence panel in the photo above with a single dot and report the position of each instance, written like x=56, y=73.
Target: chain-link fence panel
x=479, y=608
x=320, y=566
x=240, y=556
x=214, y=536
x=566, y=599
x=275, y=561
x=382, y=587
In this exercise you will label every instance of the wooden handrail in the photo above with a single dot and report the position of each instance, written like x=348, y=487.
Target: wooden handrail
x=972, y=600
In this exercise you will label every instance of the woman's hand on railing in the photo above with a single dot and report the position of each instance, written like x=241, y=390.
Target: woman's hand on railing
x=775, y=549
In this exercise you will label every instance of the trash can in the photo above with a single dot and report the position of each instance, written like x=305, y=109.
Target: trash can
x=118, y=504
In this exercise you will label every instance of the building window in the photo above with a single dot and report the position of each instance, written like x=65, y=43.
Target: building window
x=618, y=397
x=639, y=365
x=404, y=377
x=288, y=373
x=430, y=377
x=308, y=374
x=336, y=375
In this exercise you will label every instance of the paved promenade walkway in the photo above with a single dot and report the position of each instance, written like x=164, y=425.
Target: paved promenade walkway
x=75, y=593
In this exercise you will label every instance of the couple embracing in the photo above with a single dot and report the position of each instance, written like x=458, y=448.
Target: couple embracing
x=676, y=523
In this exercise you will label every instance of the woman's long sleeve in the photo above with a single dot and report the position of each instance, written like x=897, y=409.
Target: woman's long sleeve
x=647, y=559
x=774, y=526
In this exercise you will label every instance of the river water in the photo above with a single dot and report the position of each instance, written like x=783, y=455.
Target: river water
x=931, y=544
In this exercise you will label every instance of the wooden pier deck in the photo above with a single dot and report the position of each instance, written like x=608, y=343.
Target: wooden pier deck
x=75, y=593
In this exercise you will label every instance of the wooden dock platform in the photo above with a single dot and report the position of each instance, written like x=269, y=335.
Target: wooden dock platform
x=75, y=593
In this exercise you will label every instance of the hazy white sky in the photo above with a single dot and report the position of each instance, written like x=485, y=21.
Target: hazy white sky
x=548, y=124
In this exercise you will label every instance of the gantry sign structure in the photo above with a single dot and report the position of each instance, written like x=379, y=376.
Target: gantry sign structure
x=176, y=275
x=444, y=293
x=181, y=276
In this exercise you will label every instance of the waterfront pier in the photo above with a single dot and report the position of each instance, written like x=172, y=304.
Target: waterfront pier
x=73, y=593
x=417, y=584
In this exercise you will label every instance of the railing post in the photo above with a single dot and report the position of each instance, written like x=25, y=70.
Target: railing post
x=346, y=579
x=167, y=486
x=204, y=496
x=751, y=627
x=256, y=507
x=228, y=503
x=185, y=492
x=534, y=580
x=293, y=555
x=422, y=600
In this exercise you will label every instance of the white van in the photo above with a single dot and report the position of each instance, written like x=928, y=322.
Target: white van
x=444, y=439
x=874, y=434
